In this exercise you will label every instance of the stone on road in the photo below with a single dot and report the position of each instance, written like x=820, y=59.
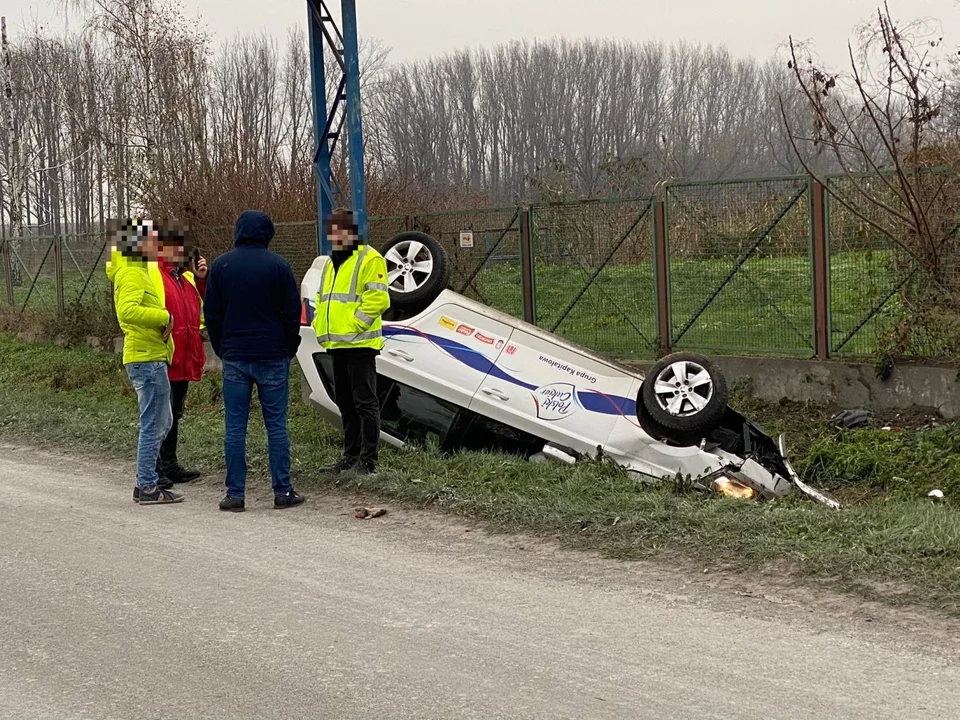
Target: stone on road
x=110, y=610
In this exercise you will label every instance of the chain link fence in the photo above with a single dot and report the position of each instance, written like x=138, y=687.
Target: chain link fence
x=876, y=284
x=740, y=266
x=54, y=273
x=484, y=251
x=739, y=270
x=84, y=259
x=594, y=274
x=35, y=258
x=297, y=242
x=382, y=228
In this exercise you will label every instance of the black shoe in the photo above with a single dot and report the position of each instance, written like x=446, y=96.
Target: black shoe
x=342, y=466
x=178, y=475
x=175, y=474
x=367, y=469
x=164, y=483
x=292, y=498
x=229, y=504
x=158, y=497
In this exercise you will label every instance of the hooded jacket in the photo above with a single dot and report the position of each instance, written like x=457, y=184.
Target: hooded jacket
x=183, y=294
x=252, y=303
x=139, y=299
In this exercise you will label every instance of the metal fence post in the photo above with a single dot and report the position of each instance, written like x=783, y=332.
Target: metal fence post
x=7, y=274
x=58, y=271
x=821, y=270
x=662, y=270
x=527, y=267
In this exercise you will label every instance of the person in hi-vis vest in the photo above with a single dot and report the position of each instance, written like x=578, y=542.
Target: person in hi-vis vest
x=352, y=298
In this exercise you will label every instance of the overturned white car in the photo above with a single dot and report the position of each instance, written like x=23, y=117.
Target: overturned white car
x=463, y=376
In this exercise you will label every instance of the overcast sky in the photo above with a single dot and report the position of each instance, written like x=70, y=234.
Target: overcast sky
x=420, y=28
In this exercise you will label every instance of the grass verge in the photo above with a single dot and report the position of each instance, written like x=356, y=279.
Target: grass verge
x=891, y=543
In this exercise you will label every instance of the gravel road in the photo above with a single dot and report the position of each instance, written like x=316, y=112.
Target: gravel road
x=110, y=610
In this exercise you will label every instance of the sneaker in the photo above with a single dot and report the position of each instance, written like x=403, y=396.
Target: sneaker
x=159, y=497
x=367, y=469
x=229, y=504
x=162, y=484
x=289, y=500
x=340, y=467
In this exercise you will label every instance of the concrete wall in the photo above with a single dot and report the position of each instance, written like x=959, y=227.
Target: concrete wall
x=846, y=385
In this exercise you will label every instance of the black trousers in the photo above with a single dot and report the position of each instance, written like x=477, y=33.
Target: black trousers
x=178, y=401
x=355, y=385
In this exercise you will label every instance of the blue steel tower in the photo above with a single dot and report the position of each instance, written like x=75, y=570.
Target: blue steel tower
x=343, y=113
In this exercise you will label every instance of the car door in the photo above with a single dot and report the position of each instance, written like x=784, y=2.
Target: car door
x=553, y=391
x=446, y=351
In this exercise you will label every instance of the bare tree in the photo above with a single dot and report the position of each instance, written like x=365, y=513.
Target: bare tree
x=151, y=41
x=895, y=106
x=17, y=155
x=880, y=125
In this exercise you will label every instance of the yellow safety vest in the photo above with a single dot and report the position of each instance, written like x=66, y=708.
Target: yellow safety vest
x=351, y=301
x=188, y=276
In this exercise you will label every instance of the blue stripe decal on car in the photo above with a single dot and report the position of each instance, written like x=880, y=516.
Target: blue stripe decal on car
x=590, y=400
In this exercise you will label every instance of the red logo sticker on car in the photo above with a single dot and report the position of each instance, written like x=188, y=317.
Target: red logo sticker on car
x=511, y=349
x=484, y=339
x=465, y=330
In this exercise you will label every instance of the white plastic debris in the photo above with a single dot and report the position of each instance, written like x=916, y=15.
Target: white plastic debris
x=938, y=494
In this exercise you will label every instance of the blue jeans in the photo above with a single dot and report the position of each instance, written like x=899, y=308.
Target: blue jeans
x=272, y=380
x=150, y=381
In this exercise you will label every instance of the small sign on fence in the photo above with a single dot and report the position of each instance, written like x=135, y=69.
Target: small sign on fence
x=466, y=239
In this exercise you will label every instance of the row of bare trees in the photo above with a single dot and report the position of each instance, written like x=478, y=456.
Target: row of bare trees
x=586, y=118
x=138, y=110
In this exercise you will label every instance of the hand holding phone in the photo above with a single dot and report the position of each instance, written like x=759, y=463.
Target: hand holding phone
x=199, y=263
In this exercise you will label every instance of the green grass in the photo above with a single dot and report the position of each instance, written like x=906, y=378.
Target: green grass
x=766, y=307
x=77, y=285
x=890, y=537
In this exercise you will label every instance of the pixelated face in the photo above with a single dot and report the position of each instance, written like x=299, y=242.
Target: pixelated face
x=171, y=238
x=135, y=238
x=150, y=247
x=171, y=251
x=342, y=238
x=151, y=240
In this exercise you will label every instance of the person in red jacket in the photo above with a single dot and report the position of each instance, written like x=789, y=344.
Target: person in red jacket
x=184, y=280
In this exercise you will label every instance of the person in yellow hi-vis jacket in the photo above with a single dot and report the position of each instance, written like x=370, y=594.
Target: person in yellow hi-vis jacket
x=352, y=298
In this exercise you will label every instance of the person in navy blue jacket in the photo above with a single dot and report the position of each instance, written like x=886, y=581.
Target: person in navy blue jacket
x=252, y=311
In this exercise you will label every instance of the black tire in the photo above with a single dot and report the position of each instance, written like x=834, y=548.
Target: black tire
x=688, y=421
x=658, y=432
x=428, y=288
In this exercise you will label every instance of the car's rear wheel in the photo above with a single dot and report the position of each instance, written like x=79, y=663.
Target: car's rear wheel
x=418, y=270
x=684, y=396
